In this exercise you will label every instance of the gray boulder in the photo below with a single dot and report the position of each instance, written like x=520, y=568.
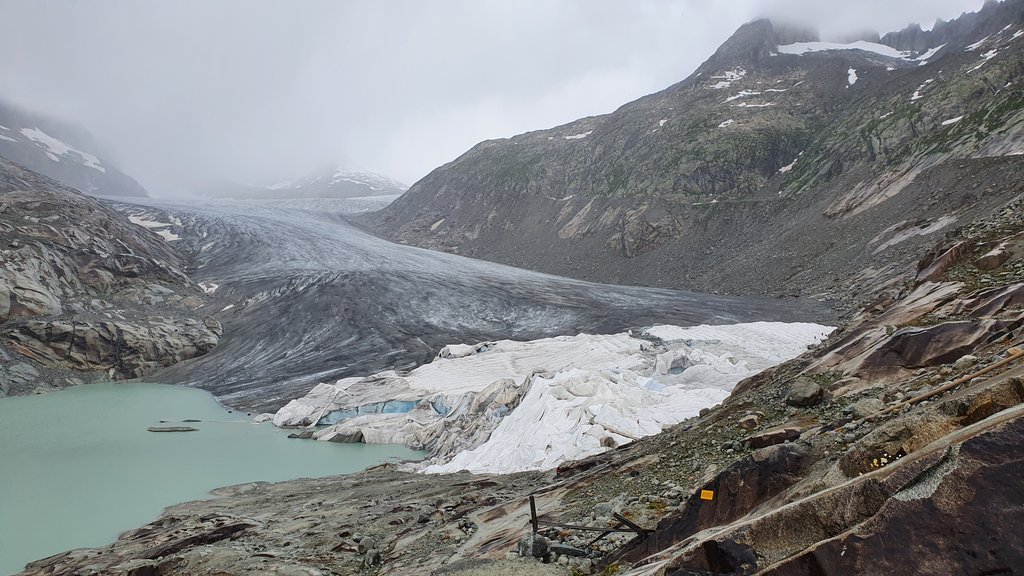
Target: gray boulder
x=804, y=392
x=749, y=422
x=533, y=545
x=372, y=558
x=994, y=258
x=773, y=437
x=366, y=544
x=866, y=407
x=965, y=361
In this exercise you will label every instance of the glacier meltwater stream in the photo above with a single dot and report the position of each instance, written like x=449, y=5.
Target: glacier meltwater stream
x=78, y=467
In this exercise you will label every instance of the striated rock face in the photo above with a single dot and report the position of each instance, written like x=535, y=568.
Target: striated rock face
x=122, y=349
x=940, y=344
x=84, y=290
x=960, y=528
x=765, y=172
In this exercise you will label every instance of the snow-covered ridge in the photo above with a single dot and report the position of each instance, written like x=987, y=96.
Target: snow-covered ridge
x=56, y=149
x=372, y=180
x=508, y=406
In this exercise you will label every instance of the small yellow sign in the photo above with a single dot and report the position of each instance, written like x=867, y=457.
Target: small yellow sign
x=707, y=495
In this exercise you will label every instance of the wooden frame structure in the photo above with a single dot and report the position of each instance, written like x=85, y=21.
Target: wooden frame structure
x=624, y=525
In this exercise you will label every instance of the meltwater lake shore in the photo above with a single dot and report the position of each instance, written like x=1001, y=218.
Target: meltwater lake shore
x=79, y=466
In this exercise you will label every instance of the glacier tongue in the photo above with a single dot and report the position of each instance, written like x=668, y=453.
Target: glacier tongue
x=508, y=406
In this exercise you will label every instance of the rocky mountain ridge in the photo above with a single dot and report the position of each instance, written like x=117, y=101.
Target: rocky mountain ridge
x=63, y=152
x=778, y=146
x=84, y=293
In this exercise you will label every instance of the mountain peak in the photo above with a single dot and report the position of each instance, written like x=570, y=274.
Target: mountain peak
x=992, y=17
x=757, y=40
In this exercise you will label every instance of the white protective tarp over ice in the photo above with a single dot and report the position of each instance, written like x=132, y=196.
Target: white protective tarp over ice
x=583, y=394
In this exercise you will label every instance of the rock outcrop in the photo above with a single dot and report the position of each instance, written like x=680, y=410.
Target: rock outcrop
x=123, y=349
x=86, y=294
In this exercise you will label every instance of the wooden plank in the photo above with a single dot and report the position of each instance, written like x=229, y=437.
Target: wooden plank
x=636, y=528
x=603, y=534
x=584, y=528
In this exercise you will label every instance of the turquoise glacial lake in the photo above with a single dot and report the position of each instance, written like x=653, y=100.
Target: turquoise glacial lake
x=78, y=467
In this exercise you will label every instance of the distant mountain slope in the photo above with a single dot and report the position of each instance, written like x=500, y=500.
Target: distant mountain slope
x=329, y=183
x=782, y=165
x=63, y=152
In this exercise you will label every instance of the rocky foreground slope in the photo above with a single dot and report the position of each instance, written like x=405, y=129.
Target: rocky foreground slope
x=894, y=447
x=782, y=166
x=84, y=293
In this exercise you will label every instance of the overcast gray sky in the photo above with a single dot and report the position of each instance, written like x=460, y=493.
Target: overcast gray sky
x=257, y=89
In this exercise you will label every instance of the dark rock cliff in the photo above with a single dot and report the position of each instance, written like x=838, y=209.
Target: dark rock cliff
x=84, y=294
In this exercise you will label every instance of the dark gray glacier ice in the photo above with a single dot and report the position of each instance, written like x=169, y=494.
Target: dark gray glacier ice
x=305, y=297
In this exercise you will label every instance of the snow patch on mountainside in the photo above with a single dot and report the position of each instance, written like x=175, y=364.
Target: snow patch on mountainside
x=579, y=136
x=156, y=227
x=801, y=48
x=726, y=78
x=56, y=148
x=984, y=59
x=977, y=44
x=919, y=93
x=924, y=58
